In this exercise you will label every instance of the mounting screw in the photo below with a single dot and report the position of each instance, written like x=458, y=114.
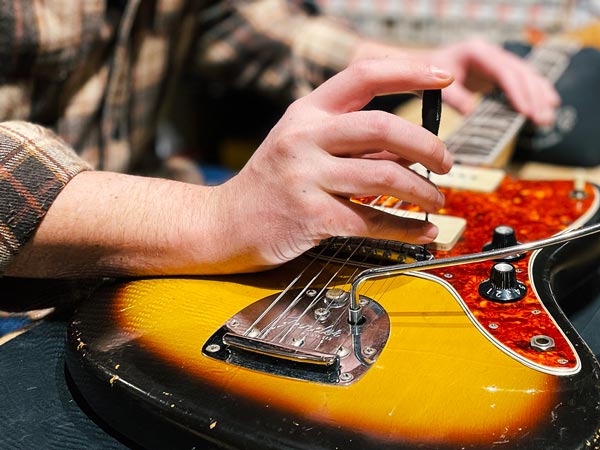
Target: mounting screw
x=342, y=352
x=321, y=314
x=346, y=376
x=369, y=351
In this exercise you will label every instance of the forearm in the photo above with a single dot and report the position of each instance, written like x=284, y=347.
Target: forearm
x=107, y=224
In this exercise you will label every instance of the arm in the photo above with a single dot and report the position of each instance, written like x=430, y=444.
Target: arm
x=292, y=193
x=276, y=47
x=272, y=46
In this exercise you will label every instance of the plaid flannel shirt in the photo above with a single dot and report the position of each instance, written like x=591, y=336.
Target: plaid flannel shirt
x=82, y=82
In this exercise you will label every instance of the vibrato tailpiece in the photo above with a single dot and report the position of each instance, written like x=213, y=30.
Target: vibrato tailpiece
x=303, y=334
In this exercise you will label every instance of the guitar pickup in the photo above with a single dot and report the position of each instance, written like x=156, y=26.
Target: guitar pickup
x=465, y=177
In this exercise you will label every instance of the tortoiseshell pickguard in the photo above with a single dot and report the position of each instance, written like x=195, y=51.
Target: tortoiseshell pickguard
x=535, y=210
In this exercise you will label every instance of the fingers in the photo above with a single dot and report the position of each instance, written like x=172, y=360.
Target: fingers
x=368, y=132
x=529, y=92
x=353, y=88
x=534, y=98
x=460, y=98
x=360, y=220
x=355, y=178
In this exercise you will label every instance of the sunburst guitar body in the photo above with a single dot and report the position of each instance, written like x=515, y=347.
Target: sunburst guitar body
x=474, y=356
x=270, y=360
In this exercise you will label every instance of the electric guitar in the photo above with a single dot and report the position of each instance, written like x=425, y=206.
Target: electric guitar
x=446, y=359
x=473, y=356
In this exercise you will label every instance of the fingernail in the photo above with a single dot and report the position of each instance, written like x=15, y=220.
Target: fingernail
x=440, y=73
x=546, y=118
x=431, y=232
x=448, y=161
x=441, y=199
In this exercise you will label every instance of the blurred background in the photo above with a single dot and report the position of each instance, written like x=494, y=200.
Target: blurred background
x=219, y=153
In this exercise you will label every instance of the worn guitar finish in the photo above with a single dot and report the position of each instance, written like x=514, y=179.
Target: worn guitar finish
x=186, y=362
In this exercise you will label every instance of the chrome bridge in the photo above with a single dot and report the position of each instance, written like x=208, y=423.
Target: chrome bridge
x=303, y=334
x=365, y=252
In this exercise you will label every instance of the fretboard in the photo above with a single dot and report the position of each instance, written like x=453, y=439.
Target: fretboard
x=485, y=136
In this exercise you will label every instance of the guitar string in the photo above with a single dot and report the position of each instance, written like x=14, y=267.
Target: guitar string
x=343, y=316
x=330, y=306
x=297, y=299
x=269, y=327
x=317, y=297
x=282, y=294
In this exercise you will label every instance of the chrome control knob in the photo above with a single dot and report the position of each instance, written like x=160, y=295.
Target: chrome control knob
x=502, y=285
x=503, y=237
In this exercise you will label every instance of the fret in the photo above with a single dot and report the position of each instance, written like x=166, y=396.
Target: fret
x=486, y=133
x=488, y=139
x=553, y=57
x=480, y=141
x=492, y=123
x=469, y=150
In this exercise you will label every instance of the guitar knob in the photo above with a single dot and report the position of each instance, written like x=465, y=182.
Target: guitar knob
x=503, y=237
x=502, y=285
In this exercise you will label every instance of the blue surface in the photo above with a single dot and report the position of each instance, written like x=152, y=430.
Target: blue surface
x=215, y=174
x=12, y=323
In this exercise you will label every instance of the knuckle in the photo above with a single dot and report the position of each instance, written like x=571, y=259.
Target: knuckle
x=286, y=141
x=294, y=107
x=477, y=43
x=387, y=175
x=378, y=126
x=361, y=69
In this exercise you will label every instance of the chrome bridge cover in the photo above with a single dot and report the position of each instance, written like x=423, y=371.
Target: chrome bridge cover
x=303, y=334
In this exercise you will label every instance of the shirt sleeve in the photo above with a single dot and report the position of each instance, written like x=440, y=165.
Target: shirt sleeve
x=35, y=165
x=274, y=46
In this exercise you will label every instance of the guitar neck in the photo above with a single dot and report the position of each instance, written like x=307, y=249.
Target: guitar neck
x=486, y=136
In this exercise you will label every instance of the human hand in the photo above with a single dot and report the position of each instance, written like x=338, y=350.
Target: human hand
x=295, y=189
x=293, y=192
x=529, y=92
x=477, y=64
